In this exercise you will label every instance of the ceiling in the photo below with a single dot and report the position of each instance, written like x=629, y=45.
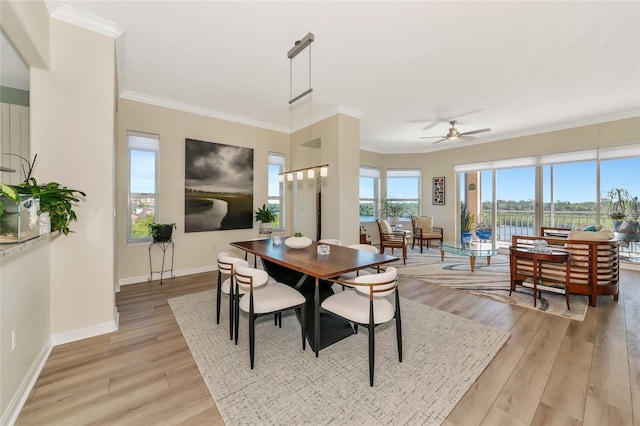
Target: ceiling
x=404, y=68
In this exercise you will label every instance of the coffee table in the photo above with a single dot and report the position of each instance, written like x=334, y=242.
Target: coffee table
x=471, y=250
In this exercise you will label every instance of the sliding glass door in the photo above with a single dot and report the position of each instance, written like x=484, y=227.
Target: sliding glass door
x=515, y=202
x=569, y=194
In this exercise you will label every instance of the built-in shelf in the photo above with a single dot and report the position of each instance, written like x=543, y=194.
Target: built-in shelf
x=8, y=250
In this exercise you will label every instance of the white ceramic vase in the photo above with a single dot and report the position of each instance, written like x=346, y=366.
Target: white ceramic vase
x=297, y=242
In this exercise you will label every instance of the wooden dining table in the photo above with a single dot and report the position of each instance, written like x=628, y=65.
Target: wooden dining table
x=308, y=272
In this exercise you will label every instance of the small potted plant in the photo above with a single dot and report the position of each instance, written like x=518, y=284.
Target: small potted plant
x=161, y=232
x=265, y=216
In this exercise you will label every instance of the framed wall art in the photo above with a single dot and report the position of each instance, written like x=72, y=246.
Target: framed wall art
x=218, y=187
x=438, y=191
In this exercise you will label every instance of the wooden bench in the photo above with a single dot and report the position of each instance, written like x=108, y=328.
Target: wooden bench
x=594, y=269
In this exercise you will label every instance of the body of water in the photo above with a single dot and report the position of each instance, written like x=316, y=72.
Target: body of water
x=205, y=215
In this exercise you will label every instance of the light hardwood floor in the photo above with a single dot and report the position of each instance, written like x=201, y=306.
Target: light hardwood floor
x=552, y=371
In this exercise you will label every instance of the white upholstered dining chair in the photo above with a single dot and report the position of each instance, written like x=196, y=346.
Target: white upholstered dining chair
x=349, y=276
x=367, y=305
x=226, y=265
x=263, y=297
x=334, y=241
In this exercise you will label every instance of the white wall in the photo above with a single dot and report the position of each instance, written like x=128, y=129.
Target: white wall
x=24, y=308
x=72, y=131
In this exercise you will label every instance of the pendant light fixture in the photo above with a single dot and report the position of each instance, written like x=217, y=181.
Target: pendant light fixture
x=311, y=172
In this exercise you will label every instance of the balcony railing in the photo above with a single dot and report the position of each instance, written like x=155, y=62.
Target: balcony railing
x=512, y=222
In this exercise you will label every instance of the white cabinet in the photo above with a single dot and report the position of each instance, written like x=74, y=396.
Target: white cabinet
x=14, y=132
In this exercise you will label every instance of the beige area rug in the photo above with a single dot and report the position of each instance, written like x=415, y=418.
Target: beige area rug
x=442, y=356
x=490, y=281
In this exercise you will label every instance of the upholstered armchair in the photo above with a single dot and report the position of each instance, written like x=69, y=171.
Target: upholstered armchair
x=392, y=239
x=423, y=230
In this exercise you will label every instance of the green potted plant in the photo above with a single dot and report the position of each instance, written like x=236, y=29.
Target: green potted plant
x=265, y=216
x=390, y=209
x=467, y=221
x=55, y=199
x=618, y=201
x=161, y=232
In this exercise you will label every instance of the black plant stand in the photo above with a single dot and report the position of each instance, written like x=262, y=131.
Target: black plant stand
x=164, y=245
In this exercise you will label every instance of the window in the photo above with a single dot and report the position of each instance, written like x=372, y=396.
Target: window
x=143, y=184
x=403, y=188
x=276, y=190
x=369, y=193
x=563, y=189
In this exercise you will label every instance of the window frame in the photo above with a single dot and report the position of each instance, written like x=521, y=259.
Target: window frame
x=408, y=174
x=152, y=144
x=279, y=160
x=370, y=173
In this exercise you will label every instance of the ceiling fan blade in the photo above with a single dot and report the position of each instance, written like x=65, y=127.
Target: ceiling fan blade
x=432, y=137
x=440, y=140
x=473, y=132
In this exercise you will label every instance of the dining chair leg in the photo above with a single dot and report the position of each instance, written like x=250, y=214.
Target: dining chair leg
x=252, y=330
x=372, y=344
x=303, y=322
x=316, y=322
x=398, y=327
x=232, y=303
x=218, y=297
x=236, y=319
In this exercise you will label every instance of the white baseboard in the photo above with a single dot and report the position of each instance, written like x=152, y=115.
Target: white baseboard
x=84, y=333
x=12, y=412
x=176, y=273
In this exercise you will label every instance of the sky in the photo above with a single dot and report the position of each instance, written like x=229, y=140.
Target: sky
x=573, y=182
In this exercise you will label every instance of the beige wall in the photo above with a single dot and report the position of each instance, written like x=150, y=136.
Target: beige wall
x=72, y=119
x=441, y=163
x=339, y=147
x=194, y=251
x=25, y=308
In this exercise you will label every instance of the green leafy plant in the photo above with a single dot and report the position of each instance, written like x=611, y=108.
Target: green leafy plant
x=161, y=231
x=467, y=219
x=9, y=192
x=55, y=198
x=389, y=207
x=634, y=208
x=264, y=214
x=618, y=201
x=298, y=234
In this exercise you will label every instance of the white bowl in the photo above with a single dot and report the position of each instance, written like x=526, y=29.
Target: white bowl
x=297, y=242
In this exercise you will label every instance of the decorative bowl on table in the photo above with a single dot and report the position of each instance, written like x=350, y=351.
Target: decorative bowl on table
x=297, y=242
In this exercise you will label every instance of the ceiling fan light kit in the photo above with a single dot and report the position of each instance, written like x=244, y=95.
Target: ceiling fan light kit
x=455, y=134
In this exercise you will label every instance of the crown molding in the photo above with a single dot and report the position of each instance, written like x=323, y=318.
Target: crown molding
x=564, y=125
x=166, y=103
x=85, y=20
x=330, y=112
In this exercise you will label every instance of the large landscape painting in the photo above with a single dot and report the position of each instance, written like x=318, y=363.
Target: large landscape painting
x=218, y=186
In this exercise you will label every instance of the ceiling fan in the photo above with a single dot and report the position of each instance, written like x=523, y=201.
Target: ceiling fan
x=454, y=134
